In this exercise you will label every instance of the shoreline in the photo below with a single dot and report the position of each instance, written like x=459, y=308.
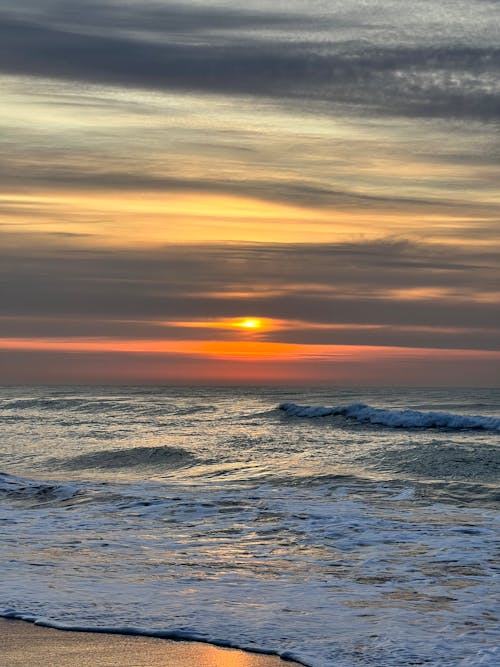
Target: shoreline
x=25, y=642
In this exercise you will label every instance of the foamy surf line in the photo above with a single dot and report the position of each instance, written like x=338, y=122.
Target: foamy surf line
x=175, y=635
x=395, y=418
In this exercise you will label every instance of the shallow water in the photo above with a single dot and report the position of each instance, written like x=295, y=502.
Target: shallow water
x=366, y=536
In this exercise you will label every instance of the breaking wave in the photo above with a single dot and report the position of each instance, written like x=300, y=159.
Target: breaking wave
x=395, y=418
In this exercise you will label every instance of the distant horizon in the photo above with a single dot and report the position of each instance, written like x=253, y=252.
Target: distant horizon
x=248, y=386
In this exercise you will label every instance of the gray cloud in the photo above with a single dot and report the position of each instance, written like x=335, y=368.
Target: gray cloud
x=303, y=193
x=347, y=284
x=418, y=80
x=172, y=18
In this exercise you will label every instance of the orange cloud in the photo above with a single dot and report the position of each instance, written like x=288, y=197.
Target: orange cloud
x=235, y=349
x=244, y=349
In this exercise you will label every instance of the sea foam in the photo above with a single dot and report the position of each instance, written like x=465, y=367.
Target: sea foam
x=395, y=418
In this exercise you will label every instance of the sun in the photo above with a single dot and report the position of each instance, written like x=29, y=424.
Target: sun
x=249, y=323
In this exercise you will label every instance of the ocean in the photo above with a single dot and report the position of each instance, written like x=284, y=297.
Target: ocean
x=338, y=527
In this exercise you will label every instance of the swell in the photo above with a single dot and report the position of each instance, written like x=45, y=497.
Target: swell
x=66, y=403
x=414, y=484
x=93, y=405
x=409, y=419
x=134, y=457
x=440, y=460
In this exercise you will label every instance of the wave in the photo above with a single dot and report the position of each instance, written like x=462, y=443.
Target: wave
x=395, y=418
x=452, y=461
x=20, y=488
x=135, y=457
x=53, y=403
x=97, y=405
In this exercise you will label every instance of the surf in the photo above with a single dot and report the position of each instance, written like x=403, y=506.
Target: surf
x=406, y=419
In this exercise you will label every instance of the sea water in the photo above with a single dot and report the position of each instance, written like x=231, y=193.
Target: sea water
x=337, y=527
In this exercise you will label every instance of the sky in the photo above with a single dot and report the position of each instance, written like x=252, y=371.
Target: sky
x=228, y=192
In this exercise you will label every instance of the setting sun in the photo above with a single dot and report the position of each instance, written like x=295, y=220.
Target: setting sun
x=249, y=323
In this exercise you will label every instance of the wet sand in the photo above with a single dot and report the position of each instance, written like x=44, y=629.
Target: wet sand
x=23, y=644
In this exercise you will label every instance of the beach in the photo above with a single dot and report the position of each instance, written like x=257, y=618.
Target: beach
x=28, y=644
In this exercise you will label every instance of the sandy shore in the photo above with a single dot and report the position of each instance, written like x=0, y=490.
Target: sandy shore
x=23, y=644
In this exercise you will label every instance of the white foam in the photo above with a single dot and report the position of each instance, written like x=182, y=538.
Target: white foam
x=395, y=418
x=404, y=494
x=325, y=580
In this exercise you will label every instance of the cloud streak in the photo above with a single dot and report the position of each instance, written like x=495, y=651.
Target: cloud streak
x=441, y=299
x=452, y=80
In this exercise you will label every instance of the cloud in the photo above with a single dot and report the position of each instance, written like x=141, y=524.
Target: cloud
x=161, y=49
x=406, y=368
x=174, y=18
x=293, y=191
x=425, y=294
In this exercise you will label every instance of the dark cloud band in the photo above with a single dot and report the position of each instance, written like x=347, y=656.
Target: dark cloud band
x=455, y=80
x=386, y=284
